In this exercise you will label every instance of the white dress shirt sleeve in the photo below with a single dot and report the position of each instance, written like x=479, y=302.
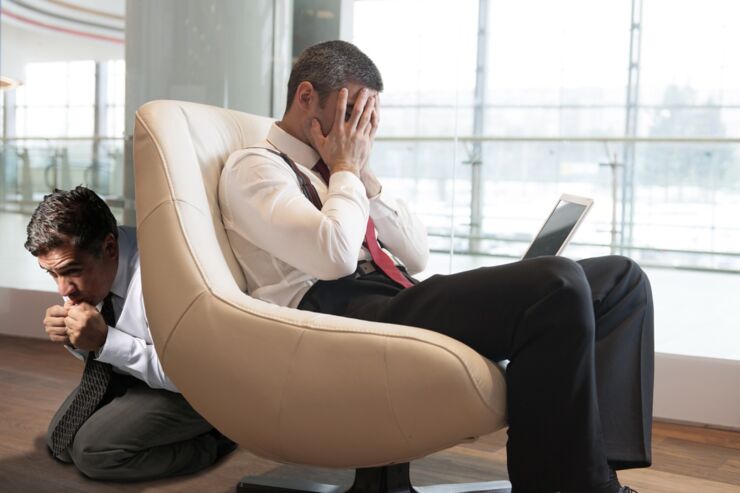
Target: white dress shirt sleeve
x=400, y=231
x=128, y=353
x=265, y=205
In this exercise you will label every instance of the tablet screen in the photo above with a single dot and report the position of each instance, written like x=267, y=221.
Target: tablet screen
x=556, y=230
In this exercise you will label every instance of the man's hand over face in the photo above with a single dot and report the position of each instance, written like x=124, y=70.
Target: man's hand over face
x=371, y=182
x=54, y=325
x=86, y=328
x=347, y=146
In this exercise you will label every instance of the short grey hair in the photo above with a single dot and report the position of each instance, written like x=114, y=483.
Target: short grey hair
x=328, y=66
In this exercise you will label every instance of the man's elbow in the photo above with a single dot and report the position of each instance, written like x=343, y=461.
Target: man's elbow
x=336, y=269
x=418, y=262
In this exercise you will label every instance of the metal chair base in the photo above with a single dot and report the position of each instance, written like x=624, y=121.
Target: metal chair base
x=386, y=479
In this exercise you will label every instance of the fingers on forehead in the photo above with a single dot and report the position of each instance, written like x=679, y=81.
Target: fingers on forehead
x=341, y=105
x=362, y=103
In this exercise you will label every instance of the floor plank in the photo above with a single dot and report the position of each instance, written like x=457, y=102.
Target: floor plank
x=35, y=376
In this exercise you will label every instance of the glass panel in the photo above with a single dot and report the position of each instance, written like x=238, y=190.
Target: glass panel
x=556, y=86
x=80, y=121
x=81, y=83
x=35, y=121
x=45, y=84
x=553, y=59
x=424, y=95
x=683, y=49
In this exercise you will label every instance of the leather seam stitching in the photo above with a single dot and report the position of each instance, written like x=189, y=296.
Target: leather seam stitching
x=285, y=391
x=388, y=393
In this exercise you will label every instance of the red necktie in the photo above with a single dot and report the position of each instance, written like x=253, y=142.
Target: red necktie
x=381, y=259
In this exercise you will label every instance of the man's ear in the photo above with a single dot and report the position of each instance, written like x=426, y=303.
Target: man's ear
x=110, y=246
x=303, y=95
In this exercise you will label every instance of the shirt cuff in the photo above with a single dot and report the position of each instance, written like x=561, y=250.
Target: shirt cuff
x=349, y=186
x=346, y=179
x=116, y=348
x=380, y=206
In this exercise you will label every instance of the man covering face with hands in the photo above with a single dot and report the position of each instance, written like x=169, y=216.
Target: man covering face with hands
x=313, y=229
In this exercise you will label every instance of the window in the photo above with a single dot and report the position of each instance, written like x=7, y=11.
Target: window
x=552, y=119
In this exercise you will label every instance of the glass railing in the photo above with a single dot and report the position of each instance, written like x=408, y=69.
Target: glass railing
x=677, y=204
x=33, y=167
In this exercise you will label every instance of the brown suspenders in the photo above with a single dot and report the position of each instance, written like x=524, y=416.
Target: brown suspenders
x=303, y=181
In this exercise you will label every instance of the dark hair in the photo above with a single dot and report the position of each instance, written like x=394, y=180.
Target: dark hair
x=330, y=65
x=78, y=217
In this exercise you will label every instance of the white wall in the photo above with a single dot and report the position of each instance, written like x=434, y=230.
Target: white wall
x=20, y=46
x=697, y=390
x=22, y=311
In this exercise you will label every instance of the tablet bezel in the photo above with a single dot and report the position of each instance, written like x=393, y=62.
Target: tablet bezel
x=574, y=199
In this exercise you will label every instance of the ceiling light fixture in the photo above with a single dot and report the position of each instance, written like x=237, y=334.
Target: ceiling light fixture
x=6, y=83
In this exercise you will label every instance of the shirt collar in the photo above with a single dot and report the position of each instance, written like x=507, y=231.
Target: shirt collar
x=296, y=150
x=120, y=283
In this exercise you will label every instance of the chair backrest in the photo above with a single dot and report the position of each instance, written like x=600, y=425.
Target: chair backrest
x=214, y=133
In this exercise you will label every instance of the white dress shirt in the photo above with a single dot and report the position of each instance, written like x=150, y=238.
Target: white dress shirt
x=283, y=243
x=128, y=346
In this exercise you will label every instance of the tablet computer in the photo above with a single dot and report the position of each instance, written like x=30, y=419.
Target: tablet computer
x=559, y=226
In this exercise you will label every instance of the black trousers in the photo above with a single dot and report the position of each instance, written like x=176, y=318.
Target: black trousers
x=579, y=337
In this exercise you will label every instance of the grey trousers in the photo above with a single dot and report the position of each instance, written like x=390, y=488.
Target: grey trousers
x=139, y=433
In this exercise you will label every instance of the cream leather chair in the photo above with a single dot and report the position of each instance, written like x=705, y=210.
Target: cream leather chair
x=288, y=385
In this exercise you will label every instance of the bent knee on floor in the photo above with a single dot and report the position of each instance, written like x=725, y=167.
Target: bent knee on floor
x=97, y=461
x=96, y=464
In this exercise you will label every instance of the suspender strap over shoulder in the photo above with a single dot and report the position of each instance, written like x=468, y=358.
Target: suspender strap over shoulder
x=382, y=260
x=303, y=181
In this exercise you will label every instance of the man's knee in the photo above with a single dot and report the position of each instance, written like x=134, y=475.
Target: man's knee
x=569, y=301
x=90, y=456
x=615, y=267
x=619, y=276
x=563, y=274
x=635, y=285
x=632, y=271
x=87, y=462
x=624, y=266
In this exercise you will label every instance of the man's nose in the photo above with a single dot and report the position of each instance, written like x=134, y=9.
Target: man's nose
x=65, y=286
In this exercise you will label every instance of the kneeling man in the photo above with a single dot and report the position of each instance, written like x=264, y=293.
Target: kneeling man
x=126, y=420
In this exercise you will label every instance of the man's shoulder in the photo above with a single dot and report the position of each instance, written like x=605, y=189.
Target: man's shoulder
x=128, y=246
x=255, y=158
x=127, y=238
x=260, y=149
x=128, y=231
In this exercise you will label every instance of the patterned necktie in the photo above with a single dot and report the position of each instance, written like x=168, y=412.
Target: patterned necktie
x=94, y=383
x=381, y=259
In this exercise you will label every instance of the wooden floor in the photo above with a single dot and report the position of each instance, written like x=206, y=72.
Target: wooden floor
x=36, y=375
